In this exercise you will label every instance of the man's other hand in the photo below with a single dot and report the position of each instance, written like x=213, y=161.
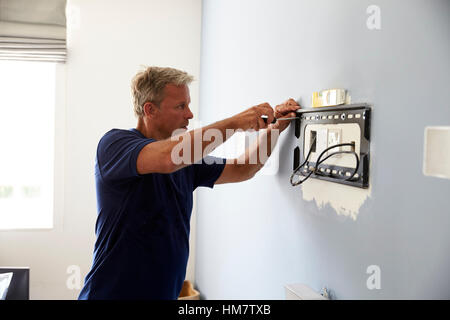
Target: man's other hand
x=251, y=118
x=285, y=110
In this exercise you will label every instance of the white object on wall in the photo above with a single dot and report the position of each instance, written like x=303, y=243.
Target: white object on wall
x=436, y=152
x=300, y=291
x=5, y=280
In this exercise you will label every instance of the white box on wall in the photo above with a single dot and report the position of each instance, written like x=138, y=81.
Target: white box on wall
x=300, y=291
x=436, y=155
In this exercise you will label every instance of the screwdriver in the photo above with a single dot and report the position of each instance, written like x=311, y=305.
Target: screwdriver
x=264, y=117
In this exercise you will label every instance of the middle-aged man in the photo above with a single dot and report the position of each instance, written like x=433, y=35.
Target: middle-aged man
x=145, y=178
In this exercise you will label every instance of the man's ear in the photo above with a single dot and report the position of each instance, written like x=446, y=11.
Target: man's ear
x=149, y=109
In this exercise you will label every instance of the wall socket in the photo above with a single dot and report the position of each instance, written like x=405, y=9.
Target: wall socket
x=334, y=138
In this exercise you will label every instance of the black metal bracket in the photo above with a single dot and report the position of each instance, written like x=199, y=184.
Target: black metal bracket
x=352, y=113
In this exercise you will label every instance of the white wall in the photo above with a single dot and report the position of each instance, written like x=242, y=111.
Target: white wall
x=107, y=43
x=266, y=234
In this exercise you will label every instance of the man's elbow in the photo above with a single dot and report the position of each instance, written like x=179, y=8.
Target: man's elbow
x=249, y=176
x=246, y=172
x=170, y=166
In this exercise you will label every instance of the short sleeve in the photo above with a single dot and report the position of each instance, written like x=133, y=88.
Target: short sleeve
x=117, y=154
x=207, y=171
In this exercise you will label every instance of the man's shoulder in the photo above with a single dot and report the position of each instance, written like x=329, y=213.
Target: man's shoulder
x=121, y=132
x=116, y=134
x=114, y=138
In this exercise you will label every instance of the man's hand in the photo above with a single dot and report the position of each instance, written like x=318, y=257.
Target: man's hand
x=285, y=110
x=251, y=118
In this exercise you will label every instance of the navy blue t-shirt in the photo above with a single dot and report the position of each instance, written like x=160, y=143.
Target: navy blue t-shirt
x=143, y=222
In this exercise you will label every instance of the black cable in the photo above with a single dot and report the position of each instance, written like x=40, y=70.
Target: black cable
x=319, y=161
x=306, y=160
x=334, y=153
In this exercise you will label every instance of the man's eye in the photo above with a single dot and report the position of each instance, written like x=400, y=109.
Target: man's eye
x=181, y=106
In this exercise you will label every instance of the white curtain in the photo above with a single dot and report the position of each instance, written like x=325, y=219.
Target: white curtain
x=33, y=30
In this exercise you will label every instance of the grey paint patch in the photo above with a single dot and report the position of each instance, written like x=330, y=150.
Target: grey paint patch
x=345, y=200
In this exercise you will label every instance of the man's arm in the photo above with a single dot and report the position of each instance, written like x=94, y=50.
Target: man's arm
x=249, y=163
x=158, y=157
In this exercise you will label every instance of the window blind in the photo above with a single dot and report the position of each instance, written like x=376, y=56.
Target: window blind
x=33, y=30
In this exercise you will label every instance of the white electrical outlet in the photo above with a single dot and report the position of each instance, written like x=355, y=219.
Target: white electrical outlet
x=334, y=138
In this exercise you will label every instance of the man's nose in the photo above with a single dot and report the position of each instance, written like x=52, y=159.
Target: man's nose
x=189, y=114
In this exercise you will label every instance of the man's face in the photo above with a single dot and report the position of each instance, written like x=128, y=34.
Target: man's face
x=173, y=112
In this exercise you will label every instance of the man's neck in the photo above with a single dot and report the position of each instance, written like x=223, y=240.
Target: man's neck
x=148, y=131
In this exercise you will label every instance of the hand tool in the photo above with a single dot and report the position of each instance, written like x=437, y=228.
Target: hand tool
x=264, y=117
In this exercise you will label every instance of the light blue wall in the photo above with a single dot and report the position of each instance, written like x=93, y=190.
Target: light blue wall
x=257, y=236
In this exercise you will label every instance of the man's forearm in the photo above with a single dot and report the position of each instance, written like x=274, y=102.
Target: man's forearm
x=256, y=155
x=190, y=147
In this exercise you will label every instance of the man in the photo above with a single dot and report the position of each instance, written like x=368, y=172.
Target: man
x=144, y=191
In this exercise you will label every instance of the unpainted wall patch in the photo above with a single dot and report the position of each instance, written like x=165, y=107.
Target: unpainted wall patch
x=345, y=200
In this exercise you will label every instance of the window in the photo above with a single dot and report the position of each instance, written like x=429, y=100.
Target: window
x=27, y=139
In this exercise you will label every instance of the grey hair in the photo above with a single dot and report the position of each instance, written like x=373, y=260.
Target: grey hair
x=148, y=85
